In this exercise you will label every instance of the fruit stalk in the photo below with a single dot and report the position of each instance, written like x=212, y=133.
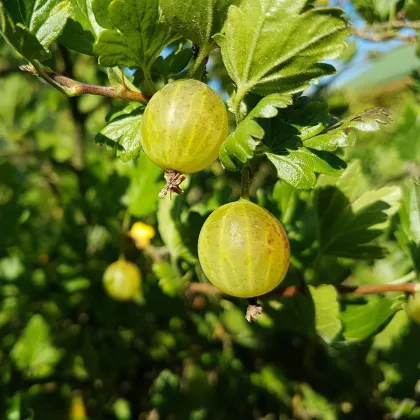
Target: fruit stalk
x=245, y=181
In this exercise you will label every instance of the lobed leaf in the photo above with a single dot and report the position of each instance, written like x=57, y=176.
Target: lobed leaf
x=327, y=311
x=343, y=134
x=348, y=223
x=30, y=28
x=240, y=146
x=362, y=321
x=197, y=20
x=82, y=29
x=277, y=45
x=134, y=34
x=123, y=132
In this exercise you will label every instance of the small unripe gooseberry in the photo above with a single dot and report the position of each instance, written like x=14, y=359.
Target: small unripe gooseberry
x=413, y=308
x=122, y=280
x=183, y=126
x=243, y=249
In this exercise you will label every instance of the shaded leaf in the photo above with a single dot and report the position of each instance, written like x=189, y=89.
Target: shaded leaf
x=239, y=147
x=81, y=30
x=347, y=226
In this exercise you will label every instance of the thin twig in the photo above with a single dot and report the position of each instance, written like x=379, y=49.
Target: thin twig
x=386, y=36
x=412, y=288
x=395, y=24
x=74, y=88
x=387, y=30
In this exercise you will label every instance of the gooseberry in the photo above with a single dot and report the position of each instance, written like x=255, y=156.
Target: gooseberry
x=413, y=308
x=243, y=249
x=183, y=126
x=122, y=280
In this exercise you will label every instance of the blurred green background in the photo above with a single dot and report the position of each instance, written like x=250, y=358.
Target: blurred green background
x=68, y=350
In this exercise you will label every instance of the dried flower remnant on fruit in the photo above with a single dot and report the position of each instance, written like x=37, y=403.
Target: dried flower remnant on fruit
x=142, y=234
x=173, y=180
x=253, y=311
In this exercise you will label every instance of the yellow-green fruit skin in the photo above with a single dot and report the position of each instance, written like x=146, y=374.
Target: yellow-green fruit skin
x=122, y=280
x=243, y=249
x=183, y=126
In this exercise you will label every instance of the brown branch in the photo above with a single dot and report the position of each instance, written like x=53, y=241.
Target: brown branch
x=395, y=24
x=72, y=87
x=377, y=37
x=387, y=30
x=412, y=288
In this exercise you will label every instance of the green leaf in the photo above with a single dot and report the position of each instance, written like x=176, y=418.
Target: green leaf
x=315, y=405
x=297, y=165
x=277, y=45
x=343, y=134
x=135, y=36
x=415, y=211
x=20, y=38
x=235, y=323
x=376, y=10
x=146, y=181
x=361, y=321
x=33, y=353
x=197, y=20
x=393, y=332
x=81, y=30
x=327, y=311
x=412, y=8
x=123, y=132
x=31, y=26
x=273, y=380
x=169, y=279
x=347, y=226
x=239, y=147
x=11, y=267
x=168, y=216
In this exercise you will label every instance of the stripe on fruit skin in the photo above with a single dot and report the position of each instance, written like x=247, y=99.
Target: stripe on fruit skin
x=244, y=212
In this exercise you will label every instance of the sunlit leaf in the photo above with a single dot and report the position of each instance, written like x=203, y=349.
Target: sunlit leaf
x=277, y=45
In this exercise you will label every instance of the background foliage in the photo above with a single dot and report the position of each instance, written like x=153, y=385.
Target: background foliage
x=345, y=192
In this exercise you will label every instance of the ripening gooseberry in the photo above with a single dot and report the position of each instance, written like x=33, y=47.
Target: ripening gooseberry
x=122, y=280
x=243, y=249
x=183, y=126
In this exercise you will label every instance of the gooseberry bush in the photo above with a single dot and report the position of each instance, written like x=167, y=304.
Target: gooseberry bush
x=221, y=185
